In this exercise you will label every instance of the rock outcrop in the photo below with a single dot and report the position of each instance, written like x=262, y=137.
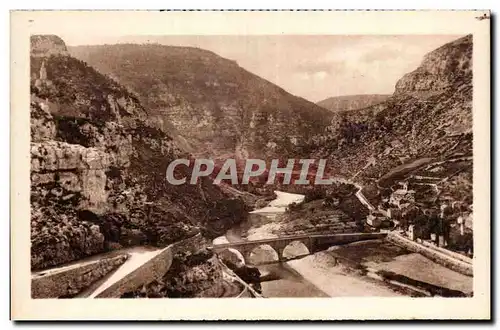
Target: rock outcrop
x=98, y=168
x=192, y=275
x=440, y=69
x=46, y=45
x=423, y=130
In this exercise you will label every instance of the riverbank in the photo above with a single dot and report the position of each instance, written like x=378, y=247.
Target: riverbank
x=371, y=268
x=312, y=276
x=336, y=280
x=289, y=283
x=383, y=256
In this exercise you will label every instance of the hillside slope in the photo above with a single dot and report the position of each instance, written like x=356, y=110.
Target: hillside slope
x=351, y=102
x=218, y=107
x=423, y=130
x=98, y=168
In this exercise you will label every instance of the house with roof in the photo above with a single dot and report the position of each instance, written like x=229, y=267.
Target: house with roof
x=401, y=197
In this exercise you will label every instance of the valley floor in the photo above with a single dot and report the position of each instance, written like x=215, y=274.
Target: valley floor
x=341, y=270
x=336, y=280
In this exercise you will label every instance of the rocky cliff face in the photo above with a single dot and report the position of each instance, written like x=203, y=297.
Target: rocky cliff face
x=198, y=275
x=440, y=69
x=351, y=102
x=98, y=168
x=43, y=45
x=217, y=107
x=427, y=121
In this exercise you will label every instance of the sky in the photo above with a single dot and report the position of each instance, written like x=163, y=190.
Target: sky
x=314, y=67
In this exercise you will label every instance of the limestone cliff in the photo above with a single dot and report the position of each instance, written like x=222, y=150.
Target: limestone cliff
x=44, y=45
x=98, y=168
x=440, y=69
x=424, y=130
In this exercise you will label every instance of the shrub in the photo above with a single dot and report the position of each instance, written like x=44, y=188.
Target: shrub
x=314, y=194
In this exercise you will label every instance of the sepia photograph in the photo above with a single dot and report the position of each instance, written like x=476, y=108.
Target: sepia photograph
x=328, y=166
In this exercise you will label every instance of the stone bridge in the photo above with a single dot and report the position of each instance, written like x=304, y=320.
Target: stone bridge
x=313, y=243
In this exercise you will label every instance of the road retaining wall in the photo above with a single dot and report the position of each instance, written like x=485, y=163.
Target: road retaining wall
x=433, y=254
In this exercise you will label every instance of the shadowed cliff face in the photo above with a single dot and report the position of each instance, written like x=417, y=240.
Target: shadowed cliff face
x=428, y=117
x=217, y=107
x=98, y=168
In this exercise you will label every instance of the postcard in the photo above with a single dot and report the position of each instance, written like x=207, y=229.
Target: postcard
x=246, y=165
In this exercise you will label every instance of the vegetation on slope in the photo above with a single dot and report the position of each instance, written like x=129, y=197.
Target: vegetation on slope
x=218, y=107
x=421, y=135
x=98, y=170
x=351, y=102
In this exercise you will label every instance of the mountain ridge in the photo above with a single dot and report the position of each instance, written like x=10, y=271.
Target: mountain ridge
x=220, y=108
x=428, y=117
x=352, y=102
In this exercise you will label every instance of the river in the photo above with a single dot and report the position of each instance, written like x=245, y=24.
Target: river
x=283, y=281
x=316, y=275
x=320, y=274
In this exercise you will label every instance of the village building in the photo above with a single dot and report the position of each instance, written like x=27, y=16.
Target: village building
x=402, y=197
x=394, y=213
x=404, y=185
x=411, y=232
x=465, y=223
x=376, y=219
x=442, y=241
x=468, y=221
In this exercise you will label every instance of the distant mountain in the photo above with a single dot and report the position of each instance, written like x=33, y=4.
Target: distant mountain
x=218, y=108
x=351, y=102
x=98, y=168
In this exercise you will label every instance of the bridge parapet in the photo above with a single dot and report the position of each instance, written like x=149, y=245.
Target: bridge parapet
x=346, y=238
x=314, y=243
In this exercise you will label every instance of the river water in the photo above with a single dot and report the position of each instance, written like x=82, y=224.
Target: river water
x=320, y=275
x=283, y=281
x=316, y=275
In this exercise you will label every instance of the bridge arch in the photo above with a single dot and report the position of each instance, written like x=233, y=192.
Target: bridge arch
x=295, y=249
x=263, y=253
x=272, y=250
